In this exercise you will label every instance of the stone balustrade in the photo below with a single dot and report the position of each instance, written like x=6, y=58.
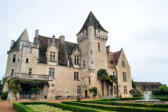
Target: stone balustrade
x=31, y=76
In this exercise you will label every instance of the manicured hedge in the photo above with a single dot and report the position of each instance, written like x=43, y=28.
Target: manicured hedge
x=21, y=108
x=117, y=99
x=128, y=104
x=68, y=107
x=118, y=108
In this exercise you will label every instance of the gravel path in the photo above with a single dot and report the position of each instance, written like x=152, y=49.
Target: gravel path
x=6, y=107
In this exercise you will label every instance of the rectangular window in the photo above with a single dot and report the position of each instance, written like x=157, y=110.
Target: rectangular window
x=84, y=64
x=76, y=60
x=14, y=58
x=79, y=90
x=27, y=60
x=125, y=89
x=123, y=64
x=12, y=71
x=76, y=76
x=89, y=81
x=124, y=77
x=30, y=71
x=98, y=46
x=51, y=72
x=52, y=56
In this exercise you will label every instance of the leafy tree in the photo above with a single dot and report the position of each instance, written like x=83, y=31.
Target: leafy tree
x=94, y=91
x=102, y=76
x=133, y=84
x=162, y=90
x=112, y=79
x=15, y=86
x=1, y=87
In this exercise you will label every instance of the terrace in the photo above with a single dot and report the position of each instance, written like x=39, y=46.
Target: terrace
x=30, y=76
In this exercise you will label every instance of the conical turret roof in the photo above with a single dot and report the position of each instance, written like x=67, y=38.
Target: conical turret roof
x=92, y=21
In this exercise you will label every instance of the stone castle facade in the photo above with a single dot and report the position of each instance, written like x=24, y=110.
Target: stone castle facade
x=70, y=68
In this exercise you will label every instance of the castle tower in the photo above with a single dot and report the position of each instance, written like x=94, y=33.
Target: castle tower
x=92, y=42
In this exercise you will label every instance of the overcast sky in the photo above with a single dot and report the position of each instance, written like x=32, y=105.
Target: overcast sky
x=140, y=27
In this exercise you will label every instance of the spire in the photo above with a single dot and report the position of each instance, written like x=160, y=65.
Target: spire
x=92, y=21
x=24, y=36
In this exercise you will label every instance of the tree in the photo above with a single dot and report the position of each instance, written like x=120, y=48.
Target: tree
x=102, y=76
x=15, y=86
x=94, y=91
x=112, y=79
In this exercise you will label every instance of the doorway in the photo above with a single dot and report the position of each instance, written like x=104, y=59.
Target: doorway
x=86, y=93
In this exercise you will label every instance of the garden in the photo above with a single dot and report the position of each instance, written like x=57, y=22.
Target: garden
x=103, y=105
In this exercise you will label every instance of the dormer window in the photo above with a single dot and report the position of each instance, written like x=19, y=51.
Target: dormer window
x=123, y=64
x=14, y=58
x=52, y=56
x=76, y=60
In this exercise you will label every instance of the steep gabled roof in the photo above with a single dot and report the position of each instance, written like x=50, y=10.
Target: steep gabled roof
x=113, y=58
x=91, y=20
x=22, y=37
x=148, y=85
x=65, y=50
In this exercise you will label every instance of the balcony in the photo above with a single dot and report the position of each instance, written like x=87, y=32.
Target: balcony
x=31, y=76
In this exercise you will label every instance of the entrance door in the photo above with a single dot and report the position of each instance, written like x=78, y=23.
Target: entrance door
x=86, y=93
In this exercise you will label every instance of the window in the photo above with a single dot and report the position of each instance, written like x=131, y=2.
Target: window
x=125, y=89
x=78, y=90
x=76, y=76
x=12, y=71
x=52, y=56
x=14, y=58
x=84, y=64
x=27, y=60
x=89, y=81
x=30, y=71
x=123, y=64
x=51, y=72
x=76, y=60
x=98, y=46
x=124, y=77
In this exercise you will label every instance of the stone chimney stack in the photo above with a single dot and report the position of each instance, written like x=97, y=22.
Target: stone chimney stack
x=12, y=42
x=37, y=33
x=108, y=49
x=62, y=38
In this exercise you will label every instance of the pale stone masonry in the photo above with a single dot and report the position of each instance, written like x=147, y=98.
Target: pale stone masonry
x=70, y=68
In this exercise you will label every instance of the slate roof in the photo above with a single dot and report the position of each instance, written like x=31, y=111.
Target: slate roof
x=112, y=58
x=22, y=37
x=65, y=50
x=148, y=85
x=91, y=20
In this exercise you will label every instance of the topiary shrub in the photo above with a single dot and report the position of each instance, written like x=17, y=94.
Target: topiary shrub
x=4, y=95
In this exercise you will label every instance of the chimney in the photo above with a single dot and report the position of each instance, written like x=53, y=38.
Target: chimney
x=62, y=38
x=12, y=42
x=108, y=49
x=36, y=33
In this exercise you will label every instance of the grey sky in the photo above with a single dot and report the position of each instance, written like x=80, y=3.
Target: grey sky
x=140, y=27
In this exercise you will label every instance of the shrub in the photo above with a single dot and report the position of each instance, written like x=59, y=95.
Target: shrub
x=78, y=98
x=21, y=108
x=94, y=91
x=128, y=104
x=66, y=107
x=118, y=108
x=162, y=90
x=4, y=95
